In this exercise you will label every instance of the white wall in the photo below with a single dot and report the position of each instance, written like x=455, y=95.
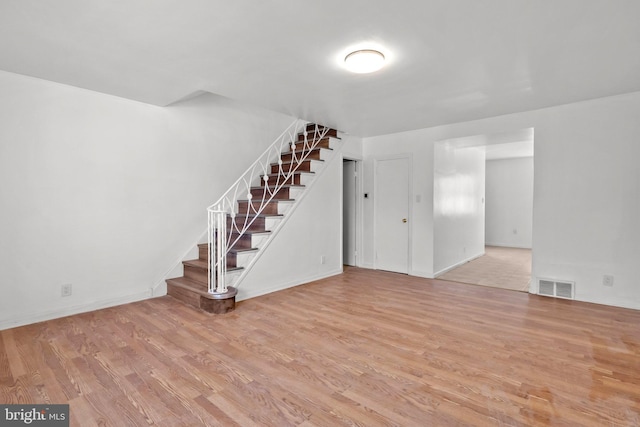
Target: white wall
x=458, y=205
x=107, y=194
x=351, y=147
x=509, y=202
x=586, y=192
x=313, y=230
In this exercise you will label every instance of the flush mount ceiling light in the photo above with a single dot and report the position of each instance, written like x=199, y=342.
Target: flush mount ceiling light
x=364, y=61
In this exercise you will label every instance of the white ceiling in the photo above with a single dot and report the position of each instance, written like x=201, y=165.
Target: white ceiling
x=450, y=60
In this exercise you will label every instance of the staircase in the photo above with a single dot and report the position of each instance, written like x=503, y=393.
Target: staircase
x=270, y=191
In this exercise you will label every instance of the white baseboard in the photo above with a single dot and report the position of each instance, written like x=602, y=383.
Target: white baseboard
x=507, y=245
x=280, y=286
x=444, y=270
x=620, y=303
x=30, y=318
x=160, y=289
x=423, y=274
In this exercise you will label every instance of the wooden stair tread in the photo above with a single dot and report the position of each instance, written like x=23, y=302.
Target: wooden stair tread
x=272, y=200
x=234, y=250
x=189, y=285
x=243, y=250
x=293, y=173
x=291, y=162
x=243, y=217
x=199, y=263
x=286, y=153
x=316, y=130
x=314, y=138
x=204, y=264
x=251, y=233
x=283, y=186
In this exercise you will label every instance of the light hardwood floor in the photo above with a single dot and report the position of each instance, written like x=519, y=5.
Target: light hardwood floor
x=499, y=267
x=365, y=348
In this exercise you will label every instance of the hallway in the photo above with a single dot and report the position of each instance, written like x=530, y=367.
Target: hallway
x=499, y=267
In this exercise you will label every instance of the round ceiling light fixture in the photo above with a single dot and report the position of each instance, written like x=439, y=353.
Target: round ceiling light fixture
x=364, y=61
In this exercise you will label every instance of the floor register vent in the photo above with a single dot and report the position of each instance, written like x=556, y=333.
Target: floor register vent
x=554, y=288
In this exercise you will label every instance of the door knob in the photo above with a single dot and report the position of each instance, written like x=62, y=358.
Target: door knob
x=404, y=220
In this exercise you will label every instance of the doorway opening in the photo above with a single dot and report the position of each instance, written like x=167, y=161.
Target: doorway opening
x=496, y=247
x=351, y=212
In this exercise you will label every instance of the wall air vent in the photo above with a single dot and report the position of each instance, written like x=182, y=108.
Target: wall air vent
x=555, y=288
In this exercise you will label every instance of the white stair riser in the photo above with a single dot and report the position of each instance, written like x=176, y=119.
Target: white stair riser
x=325, y=154
x=295, y=192
x=334, y=143
x=231, y=277
x=316, y=165
x=306, y=178
x=271, y=222
x=284, y=207
x=244, y=258
x=258, y=239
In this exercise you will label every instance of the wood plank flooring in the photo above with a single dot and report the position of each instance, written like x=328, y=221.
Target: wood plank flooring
x=365, y=348
x=499, y=267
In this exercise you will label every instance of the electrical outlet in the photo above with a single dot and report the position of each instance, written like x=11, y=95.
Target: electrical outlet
x=607, y=280
x=66, y=290
x=322, y=259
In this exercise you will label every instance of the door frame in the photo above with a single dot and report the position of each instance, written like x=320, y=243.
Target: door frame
x=376, y=160
x=359, y=209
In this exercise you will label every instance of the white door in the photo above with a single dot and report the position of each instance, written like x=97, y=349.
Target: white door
x=349, y=212
x=392, y=214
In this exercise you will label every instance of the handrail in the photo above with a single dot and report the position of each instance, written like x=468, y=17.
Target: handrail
x=225, y=226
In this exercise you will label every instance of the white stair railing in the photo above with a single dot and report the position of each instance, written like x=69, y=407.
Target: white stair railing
x=226, y=226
